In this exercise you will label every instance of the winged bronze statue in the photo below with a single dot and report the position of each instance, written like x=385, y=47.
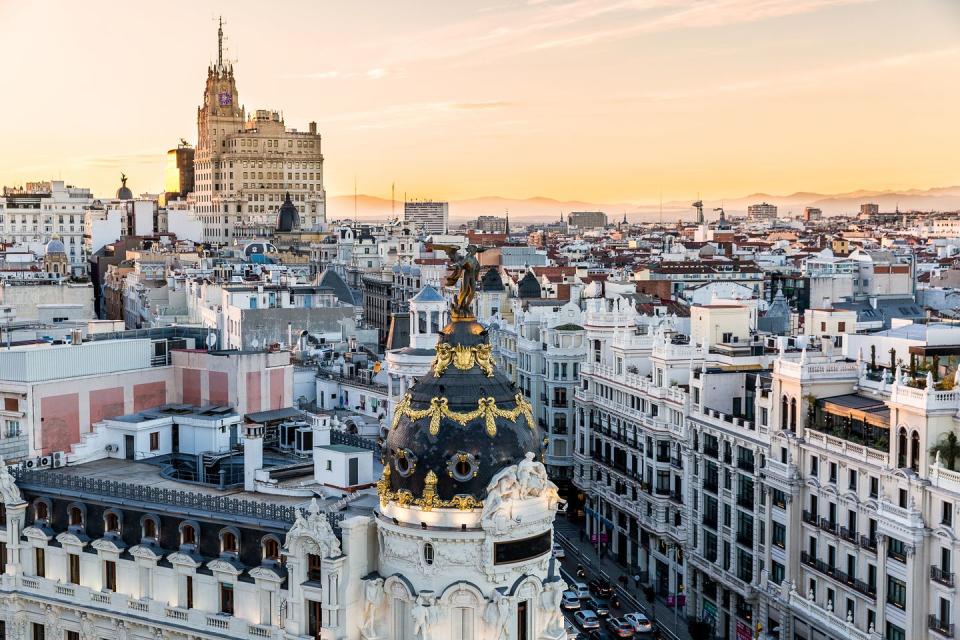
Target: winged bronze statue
x=466, y=269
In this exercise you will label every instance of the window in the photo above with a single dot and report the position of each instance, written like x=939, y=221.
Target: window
x=313, y=567
x=110, y=575
x=779, y=534
x=154, y=440
x=894, y=632
x=41, y=511
x=874, y=487
x=188, y=535
x=852, y=480
x=149, y=527
x=428, y=553
x=814, y=466
x=841, y=327
x=39, y=631
x=76, y=517
x=40, y=562
x=271, y=549
x=226, y=598
x=189, y=592
x=111, y=523
x=896, y=592
x=228, y=542
x=777, y=572
x=946, y=513
x=11, y=404
x=73, y=568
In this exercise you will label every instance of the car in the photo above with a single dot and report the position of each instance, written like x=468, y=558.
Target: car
x=598, y=605
x=640, y=622
x=581, y=589
x=571, y=631
x=620, y=628
x=558, y=552
x=587, y=619
x=570, y=600
x=601, y=587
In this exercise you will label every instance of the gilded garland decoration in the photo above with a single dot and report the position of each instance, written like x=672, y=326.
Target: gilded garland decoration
x=463, y=358
x=486, y=408
x=428, y=501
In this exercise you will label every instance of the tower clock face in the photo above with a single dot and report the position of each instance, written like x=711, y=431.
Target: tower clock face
x=225, y=99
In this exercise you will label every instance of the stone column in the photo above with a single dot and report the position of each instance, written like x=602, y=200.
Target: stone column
x=881, y=582
x=16, y=518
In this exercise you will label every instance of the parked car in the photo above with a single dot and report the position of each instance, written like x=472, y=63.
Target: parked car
x=620, y=628
x=598, y=605
x=601, y=587
x=587, y=619
x=581, y=588
x=570, y=601
x=640, y=622
x=558, y=552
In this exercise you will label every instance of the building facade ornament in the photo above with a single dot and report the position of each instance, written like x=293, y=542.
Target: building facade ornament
x=315, y=527
x=486, y=408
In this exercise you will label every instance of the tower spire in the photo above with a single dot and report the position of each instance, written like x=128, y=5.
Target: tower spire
x=220, y=44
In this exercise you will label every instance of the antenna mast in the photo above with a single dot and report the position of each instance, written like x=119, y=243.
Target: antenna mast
x=220, y=44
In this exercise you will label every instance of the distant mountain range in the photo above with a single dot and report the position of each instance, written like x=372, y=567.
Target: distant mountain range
x=544, y=209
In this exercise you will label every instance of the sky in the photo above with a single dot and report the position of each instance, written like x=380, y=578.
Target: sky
x=603, y=101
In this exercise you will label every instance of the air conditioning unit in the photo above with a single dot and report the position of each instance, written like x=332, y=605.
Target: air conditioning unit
x=111, y=448
x=44, y=462
x=59, y=459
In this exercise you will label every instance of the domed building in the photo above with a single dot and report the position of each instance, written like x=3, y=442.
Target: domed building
x=288, y=218
x=466, y=510
x=55, y=259
x=124, y=192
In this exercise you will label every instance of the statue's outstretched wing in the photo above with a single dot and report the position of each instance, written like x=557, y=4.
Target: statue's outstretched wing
x=450, y=249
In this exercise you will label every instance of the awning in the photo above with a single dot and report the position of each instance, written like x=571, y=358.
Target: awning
x=263, y=417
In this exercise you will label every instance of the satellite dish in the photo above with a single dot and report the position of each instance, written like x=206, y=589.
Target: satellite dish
x=211, y=340
x=254, y=343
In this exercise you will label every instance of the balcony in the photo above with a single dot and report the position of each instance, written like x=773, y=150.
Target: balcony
x=940, y=627
x=810, y=518
x=869, y=543
x=848, y=535
x=828, y=526
x=943, y=577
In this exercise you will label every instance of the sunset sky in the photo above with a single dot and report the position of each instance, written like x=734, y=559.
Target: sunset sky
x=605, y=101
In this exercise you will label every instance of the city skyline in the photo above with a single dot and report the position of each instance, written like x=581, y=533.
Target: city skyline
x=671, y=98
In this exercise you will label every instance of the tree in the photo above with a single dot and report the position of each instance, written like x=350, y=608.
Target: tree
x=873, y=357
x=949, y=450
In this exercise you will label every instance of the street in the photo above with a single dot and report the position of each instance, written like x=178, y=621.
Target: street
x=567, y=535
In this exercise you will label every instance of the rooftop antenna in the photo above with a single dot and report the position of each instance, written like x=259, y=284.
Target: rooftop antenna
x=220, y=44
x=393, y=200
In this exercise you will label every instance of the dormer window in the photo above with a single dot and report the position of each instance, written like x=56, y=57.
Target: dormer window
x=188, y=535
x=229, y=542
x=150, y=528
x=76, y=517
x=111, y=522
x=271, y=549
x=41, y=512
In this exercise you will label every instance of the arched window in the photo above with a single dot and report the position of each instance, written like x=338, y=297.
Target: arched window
x=793, y=414
x=149, y=527
x=76, y=517
x=783, y=413
x=901, y=448
x=915, y=452
x=111, y=522
x=41, y=511
x=428, y=553
x=229, y=542
x=271, y=548
x=188, y=535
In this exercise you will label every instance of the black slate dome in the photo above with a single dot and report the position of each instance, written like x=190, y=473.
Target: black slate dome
x=453, y=432
x=528, y=287
x=288, y=218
